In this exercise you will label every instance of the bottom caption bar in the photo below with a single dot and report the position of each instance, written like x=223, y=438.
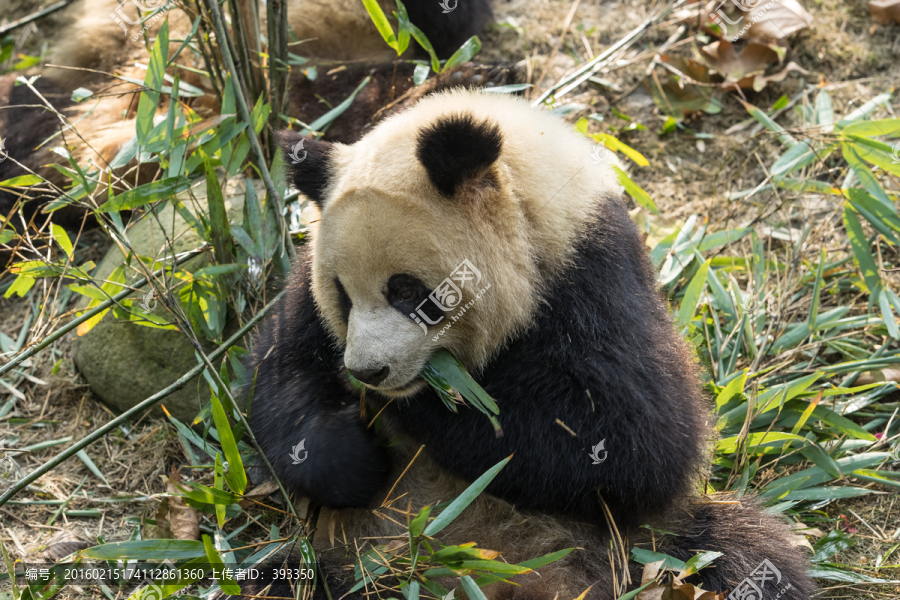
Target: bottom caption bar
x=155, y=573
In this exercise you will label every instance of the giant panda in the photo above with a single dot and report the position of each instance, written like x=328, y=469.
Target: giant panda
x=558, y=317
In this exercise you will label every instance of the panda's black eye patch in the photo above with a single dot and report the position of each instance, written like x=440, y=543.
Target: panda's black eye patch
x=343, y=299
x=406, y=293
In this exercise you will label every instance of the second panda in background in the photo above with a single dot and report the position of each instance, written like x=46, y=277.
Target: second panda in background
x=564, y=327
x=92, y=41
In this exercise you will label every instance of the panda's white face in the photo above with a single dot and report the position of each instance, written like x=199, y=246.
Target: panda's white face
x=367, y=286
x=385, y=349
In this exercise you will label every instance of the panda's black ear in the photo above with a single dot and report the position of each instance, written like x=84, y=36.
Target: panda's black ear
x=307, y=163
x=456, y=149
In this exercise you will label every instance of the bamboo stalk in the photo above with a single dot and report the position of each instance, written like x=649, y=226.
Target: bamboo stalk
x=279, y=72
x=287, y=251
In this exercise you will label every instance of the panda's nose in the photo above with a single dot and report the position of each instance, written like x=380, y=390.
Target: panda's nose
x=371, y=376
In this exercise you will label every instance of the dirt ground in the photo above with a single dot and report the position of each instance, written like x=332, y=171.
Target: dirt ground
x=842, y=49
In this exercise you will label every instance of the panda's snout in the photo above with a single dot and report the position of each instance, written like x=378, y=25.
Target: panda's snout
x=371, y=377
x=384, y=348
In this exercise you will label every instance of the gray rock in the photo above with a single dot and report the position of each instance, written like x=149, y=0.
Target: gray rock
x=125, y=363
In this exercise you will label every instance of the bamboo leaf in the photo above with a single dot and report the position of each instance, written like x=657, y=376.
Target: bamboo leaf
x=465, y=53
x=154, y=82
x=865, y=110
x=616, y=145
x=21, y=181
x=783, y=136
x=861, y=253
x=640, y=196
x=865, y=175
x=381, y=23
x=423, y=41
x=882, y=217
x=876, y=153
x=457, y=506
x=220, y=233
x=235, y=476
x=692, y=296
x=444, y=371
x=817, y=289
x=218, y=482
x=824, y=111
x=472, y=591
x=146, y=550
x=870, y=129
x=215, y=561
x=325, y=120
x=147, y=193
x=62, y=238
x=757, y=440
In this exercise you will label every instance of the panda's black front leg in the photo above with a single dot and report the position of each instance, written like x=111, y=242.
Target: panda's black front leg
x=305, y=419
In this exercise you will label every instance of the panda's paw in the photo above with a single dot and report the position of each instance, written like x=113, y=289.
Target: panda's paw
x=335, y=462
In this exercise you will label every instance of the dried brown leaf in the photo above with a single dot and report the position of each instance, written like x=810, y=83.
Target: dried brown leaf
x=686, y=90
x=777, y=22
x=183, y=519
x=262, y=490
x=394, y=545
x=740, y=69
x=674, y=590
x=760, y=81
x=64, y=543
x=885, y=11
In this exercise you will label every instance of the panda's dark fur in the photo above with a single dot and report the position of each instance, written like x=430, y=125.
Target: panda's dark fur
x=581, y=350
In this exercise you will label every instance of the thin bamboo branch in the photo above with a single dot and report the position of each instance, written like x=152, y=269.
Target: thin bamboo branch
x=224, y=388
x=588, y=69
x=135, y=410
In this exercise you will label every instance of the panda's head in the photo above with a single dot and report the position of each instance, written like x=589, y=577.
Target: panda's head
x=441, y=229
